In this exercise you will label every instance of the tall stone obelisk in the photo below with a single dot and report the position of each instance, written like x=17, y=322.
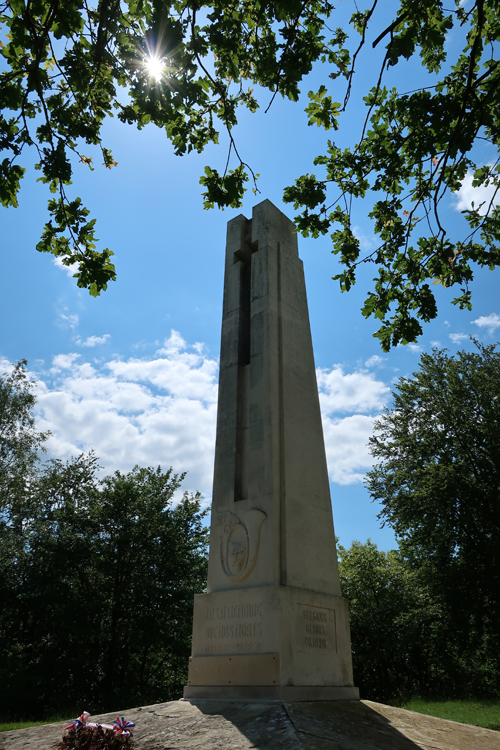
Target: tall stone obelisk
x=272, y=623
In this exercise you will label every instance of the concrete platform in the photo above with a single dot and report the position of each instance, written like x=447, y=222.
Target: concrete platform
x=237, y=725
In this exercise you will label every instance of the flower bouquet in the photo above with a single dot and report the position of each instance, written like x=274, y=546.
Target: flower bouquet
x=84, y=735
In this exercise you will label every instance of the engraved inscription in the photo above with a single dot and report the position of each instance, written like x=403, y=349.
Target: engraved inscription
x=249, y=646
x=240, y=630
x=316, y=614
x=234, y=629
x=315, y=642
x=217, y=648
x=317, y=627
x=234, y=612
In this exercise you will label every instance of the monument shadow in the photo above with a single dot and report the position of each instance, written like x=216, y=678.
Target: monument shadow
x=315, y=725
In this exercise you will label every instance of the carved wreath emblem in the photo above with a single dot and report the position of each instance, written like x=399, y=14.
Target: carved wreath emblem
x=239, y=542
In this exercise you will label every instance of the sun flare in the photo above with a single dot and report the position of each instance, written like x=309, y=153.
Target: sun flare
x=155, y=68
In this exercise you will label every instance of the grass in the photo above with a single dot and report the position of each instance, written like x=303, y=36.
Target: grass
x=10, y=726
x=480, y=713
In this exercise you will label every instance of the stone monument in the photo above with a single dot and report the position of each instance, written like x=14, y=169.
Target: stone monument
x=272, y=624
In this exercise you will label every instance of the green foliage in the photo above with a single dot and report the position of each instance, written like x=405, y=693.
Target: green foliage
x=225, y=191
x=438, y=479
x=403, y=635
x=97, y=577
x=98, y=585
x=19, y=440
x=391, y=619
x=415, y=148
x=66, y=63
x=322, y=111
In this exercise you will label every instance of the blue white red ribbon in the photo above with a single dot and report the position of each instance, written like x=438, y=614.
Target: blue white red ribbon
x=122, y=726
x=77, y=723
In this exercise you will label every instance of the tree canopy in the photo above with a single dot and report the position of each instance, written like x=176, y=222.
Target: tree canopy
x=97, y=576
x=404, y=634
x=186, y=66
x=20, y=442
x=391, y=618
x=437, y=478
x=97, y=585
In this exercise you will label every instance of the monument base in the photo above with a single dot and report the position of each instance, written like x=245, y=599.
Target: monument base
x=271, y=643
x=287, y=693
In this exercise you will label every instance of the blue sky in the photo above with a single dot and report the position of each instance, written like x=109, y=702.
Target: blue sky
x=133, y=373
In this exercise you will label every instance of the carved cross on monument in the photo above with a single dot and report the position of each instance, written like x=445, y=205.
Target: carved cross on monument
x=273, y=624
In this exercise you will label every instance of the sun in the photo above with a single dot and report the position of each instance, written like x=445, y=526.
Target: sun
x=155, y=67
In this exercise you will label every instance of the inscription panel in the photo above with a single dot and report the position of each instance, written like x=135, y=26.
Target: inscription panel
x=234, y=611
x=233, y=629
x=316, y=628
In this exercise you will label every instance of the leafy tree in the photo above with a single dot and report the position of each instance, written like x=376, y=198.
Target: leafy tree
x=415, y=148
x=98, y=607
x=185, y=65
x=392, y=619
x=20, y=444
x=438, y=480
x=152, y=562
x=19, y=440
x=65, y=62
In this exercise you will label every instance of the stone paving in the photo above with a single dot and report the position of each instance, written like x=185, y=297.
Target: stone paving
x=236, y=725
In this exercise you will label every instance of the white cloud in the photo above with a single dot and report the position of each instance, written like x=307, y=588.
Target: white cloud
x=490, y=322
x=154, y=411
x=481, y=196
x=458, y=337
x=5, y=366
x=66, y=319
x=63, y=361
x=346, y=438
x=374, y=361
x=358, y=391
x=174, y=343
x=346, y=447
x=92, y=340
x=162, y=410
x=69, y=270
x=185, y=374
x=414, y=348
